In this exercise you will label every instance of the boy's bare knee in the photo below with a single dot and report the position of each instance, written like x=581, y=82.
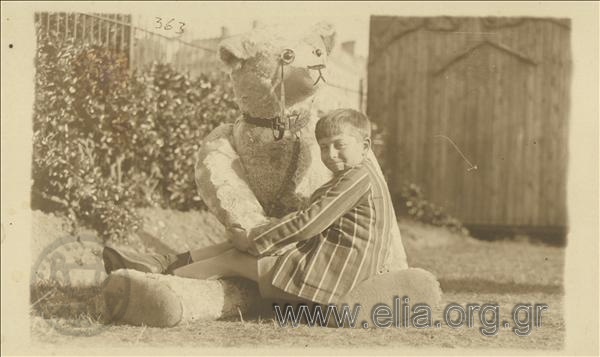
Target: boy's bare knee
x=240, y=264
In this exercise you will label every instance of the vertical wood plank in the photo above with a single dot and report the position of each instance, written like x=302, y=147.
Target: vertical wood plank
x=556, y=59
x=546, y=139
x=531, y=137
x=566, y=75
x=513, y=149
x=556, y=118
x=491, y=165
x=442, y=115
x=395, y=63
x=431, y=108
x=414, y=113
x=469, y=119
x=476, y=148
x=464, y=100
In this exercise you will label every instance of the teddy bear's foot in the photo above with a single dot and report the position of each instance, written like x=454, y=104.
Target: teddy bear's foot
x=419, y=285
x=402, y=287
x=156, y=300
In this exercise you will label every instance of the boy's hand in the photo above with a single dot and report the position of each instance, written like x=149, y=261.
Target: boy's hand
x=239, y=238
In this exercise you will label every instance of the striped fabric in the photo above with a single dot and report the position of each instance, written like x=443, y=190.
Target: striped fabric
x=342, y=237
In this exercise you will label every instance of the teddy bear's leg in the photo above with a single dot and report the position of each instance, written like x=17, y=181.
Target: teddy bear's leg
x=156, y=300
x=410, y=286
x=221, y=181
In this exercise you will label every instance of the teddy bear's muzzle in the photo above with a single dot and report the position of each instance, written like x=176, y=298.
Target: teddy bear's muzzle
x=317, y=67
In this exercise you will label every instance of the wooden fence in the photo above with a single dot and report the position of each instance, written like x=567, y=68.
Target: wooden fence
x=495, y=90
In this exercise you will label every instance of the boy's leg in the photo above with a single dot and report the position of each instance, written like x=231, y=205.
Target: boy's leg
x=117, y=258
x=231, y=263
x=234, y=263
x=209, y=252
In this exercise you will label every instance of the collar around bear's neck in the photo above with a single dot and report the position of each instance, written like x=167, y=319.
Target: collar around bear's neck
x=293, y=121
x=275, y=123
x=258, y=121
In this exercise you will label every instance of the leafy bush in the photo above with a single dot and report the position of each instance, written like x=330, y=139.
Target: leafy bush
x=412, y=202
x=107, y=141
x=183, y=112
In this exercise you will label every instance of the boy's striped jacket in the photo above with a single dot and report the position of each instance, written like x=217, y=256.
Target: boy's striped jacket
x=342, y=238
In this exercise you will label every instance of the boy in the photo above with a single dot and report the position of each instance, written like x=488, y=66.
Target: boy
x=317, y=254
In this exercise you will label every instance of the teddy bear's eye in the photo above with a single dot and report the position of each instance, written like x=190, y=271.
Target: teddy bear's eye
x=287, y=56
x=318, y=52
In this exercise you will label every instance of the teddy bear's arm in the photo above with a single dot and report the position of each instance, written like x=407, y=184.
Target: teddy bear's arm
x=221, y=181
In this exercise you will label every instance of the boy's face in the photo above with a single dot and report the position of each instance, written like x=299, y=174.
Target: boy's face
x=343, y=151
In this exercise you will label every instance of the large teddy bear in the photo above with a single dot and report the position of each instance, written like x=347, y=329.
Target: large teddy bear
x=266, y=164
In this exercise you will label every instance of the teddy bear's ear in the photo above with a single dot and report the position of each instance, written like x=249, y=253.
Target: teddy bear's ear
x=236, y=49
x=327, y=33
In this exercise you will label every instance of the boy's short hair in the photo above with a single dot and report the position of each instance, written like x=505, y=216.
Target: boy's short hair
x=336, y=121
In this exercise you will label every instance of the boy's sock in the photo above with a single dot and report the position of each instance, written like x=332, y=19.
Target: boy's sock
x=177, y=261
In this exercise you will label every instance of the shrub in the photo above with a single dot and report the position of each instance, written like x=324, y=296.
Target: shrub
x=107, y=141
x=182, y=111
x=411, y=202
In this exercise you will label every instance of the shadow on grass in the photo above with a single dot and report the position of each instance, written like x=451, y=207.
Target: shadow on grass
x=494, y=287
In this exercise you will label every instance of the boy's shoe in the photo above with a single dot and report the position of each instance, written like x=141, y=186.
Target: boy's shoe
x=148, y=263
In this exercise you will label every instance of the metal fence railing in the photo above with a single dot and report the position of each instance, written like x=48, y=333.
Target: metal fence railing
x=111, y=30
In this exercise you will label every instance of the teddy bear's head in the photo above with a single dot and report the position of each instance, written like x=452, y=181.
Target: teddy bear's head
x=255, y=60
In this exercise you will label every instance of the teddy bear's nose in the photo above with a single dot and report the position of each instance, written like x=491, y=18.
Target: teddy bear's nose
x=317, y=67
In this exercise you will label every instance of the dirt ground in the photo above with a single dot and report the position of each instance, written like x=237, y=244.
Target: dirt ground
x=470, y=272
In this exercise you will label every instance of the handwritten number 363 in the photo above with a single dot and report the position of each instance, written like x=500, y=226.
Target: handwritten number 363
x=168, y=26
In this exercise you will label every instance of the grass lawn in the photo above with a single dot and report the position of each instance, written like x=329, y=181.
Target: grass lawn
x=470, y=272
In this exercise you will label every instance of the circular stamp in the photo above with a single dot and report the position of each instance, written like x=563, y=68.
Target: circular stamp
x=67, y=287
